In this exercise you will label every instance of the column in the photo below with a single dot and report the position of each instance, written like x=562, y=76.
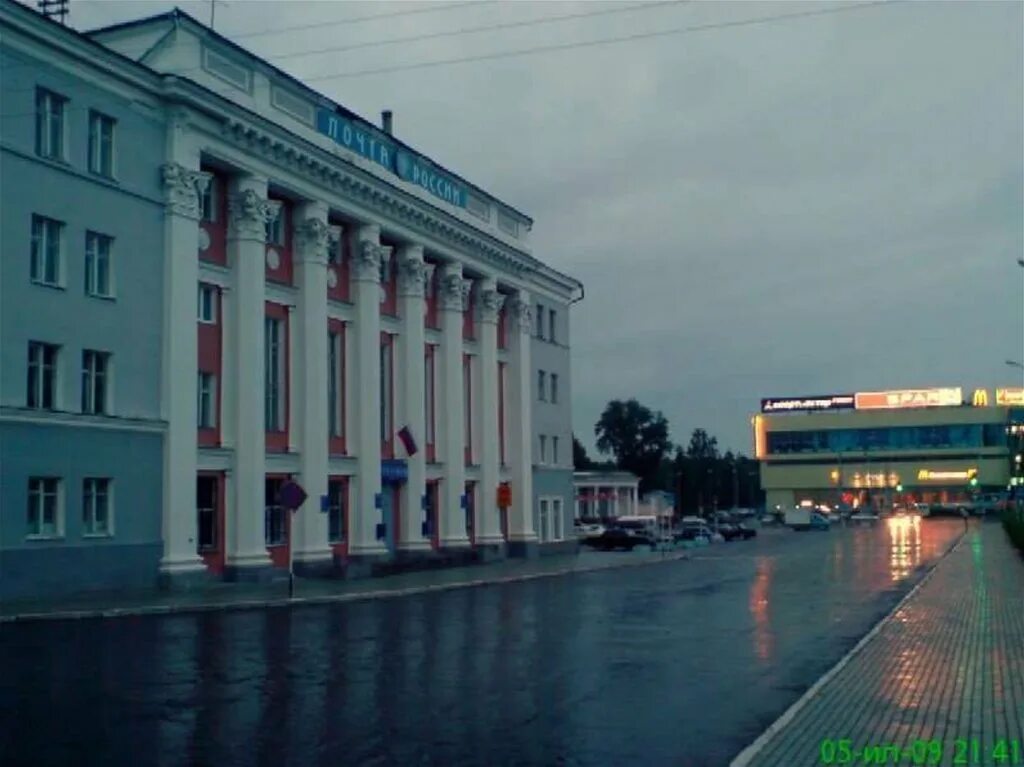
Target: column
x=310, y=547
x=182, y=187
x=488, y=520
x=453, y=292
x=520, y=525
x=366, y=510
x=412, y=277
x=249, y=211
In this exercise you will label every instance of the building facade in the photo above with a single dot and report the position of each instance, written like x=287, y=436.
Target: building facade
x=877, y=448
x=296, y=296
x=605, y=495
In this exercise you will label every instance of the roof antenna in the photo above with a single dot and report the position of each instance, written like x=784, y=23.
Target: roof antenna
x=213, y=10
x=51, y=8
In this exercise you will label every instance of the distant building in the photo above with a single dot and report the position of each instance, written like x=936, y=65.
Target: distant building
x=876, y=448
x=606, y=494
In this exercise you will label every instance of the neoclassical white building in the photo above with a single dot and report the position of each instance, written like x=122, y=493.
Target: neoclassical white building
x=338, y=312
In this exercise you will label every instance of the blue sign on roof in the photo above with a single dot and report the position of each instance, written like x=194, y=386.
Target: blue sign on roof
x=406, y=165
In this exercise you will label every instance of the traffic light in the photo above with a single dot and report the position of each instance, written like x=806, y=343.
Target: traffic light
x=899, y=488
x=974, y=481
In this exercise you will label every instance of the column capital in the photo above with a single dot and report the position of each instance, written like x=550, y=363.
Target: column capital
x=369, y=257
x=412, y=271
x=454, y=288
x=312, y=236
x=183, y=189
x=522, y=313
x=248, y=214
x=489, y=305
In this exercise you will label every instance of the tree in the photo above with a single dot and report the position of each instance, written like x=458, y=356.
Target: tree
x=636, y=436
x=580, y=460
x=702, y=446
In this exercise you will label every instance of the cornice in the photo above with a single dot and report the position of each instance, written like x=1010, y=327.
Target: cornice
x=373, y=194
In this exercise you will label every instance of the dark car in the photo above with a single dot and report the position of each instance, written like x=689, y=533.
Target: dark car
x=615, y=538
x=745, y=531
x=729, y=531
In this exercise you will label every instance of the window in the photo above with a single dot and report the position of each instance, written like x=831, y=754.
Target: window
x=207, y=304
x=337, y=510
x=101, y=144
x=50, y=111
x=428, y=396
x=42, y=376
x=507, y=223
x=467, y=414
x=335, y=384
x=502, y=442
x=470, y=496
x=554, y=451
x=275, y=531
x=227, y=70
x=207, y=406
x=541, y=385
x=96, y=507
x=543, y=449
x=273, y=374
x=292, y=104
x=275, y=228
x=540, y=321
x=208, y=203
x=97, y=264
x=206, y=512
x=554, y=387
x=542, y=520
x=45, y=519
x=46, y=250
x=386, y=393
x=557, y=520
x=551, y=325
x=95, y=372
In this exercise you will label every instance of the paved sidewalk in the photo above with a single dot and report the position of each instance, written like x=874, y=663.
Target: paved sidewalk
x=225, y=596
x=944, y=671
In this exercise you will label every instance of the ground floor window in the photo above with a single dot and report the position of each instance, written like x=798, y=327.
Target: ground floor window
x=470, y=508
x=550, y=519
x=543, y=518
x=557, y=520
x=44, y=508
x=275, y=528
x=206, y=512
x=96, y=506
x=337, y=510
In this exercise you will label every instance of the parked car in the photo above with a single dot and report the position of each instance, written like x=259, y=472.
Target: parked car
x=746, y=531
x=729, y=531
x=615, y=538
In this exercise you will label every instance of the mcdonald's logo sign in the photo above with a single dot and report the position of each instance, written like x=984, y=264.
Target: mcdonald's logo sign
x=980, y=398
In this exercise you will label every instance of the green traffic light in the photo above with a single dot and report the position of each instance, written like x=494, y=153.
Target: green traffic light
x=974, y=481
x=899, y=488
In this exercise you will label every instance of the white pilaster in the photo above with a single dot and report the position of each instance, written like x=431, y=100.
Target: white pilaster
x=366, y=512
x=521, y=421
x=183, y=185
x=453, y=291
x=311, y=239
x=249, y=211
x=488, y=520
x=412, y=276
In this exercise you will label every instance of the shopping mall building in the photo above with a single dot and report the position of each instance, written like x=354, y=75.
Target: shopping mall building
x=876, y=448
x=217, y=281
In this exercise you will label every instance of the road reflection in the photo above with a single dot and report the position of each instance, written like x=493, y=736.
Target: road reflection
x=764, y=640
x=905, y=545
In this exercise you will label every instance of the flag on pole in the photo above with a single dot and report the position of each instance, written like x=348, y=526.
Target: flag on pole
x=405, y=434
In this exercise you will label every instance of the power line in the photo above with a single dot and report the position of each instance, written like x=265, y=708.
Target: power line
x=431, y=8
x=486, y=28
x=608, y=40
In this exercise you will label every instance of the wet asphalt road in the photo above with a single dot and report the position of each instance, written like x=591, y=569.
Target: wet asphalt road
x=672, y=664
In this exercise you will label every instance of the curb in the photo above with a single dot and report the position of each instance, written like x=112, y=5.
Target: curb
x=748, y=754
x=278, y=602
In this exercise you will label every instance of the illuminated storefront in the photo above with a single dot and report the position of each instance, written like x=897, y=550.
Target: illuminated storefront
x=880, y=448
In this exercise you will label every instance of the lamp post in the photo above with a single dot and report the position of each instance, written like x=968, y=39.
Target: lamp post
x=1015, y=364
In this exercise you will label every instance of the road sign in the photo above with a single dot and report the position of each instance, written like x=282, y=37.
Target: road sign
x=291, y=495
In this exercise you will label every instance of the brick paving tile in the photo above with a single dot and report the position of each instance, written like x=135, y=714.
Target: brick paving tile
x=946, y=668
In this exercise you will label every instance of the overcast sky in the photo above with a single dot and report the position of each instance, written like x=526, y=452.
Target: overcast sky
x=811, y=206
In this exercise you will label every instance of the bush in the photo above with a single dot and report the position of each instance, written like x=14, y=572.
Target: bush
x=1013, y=523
